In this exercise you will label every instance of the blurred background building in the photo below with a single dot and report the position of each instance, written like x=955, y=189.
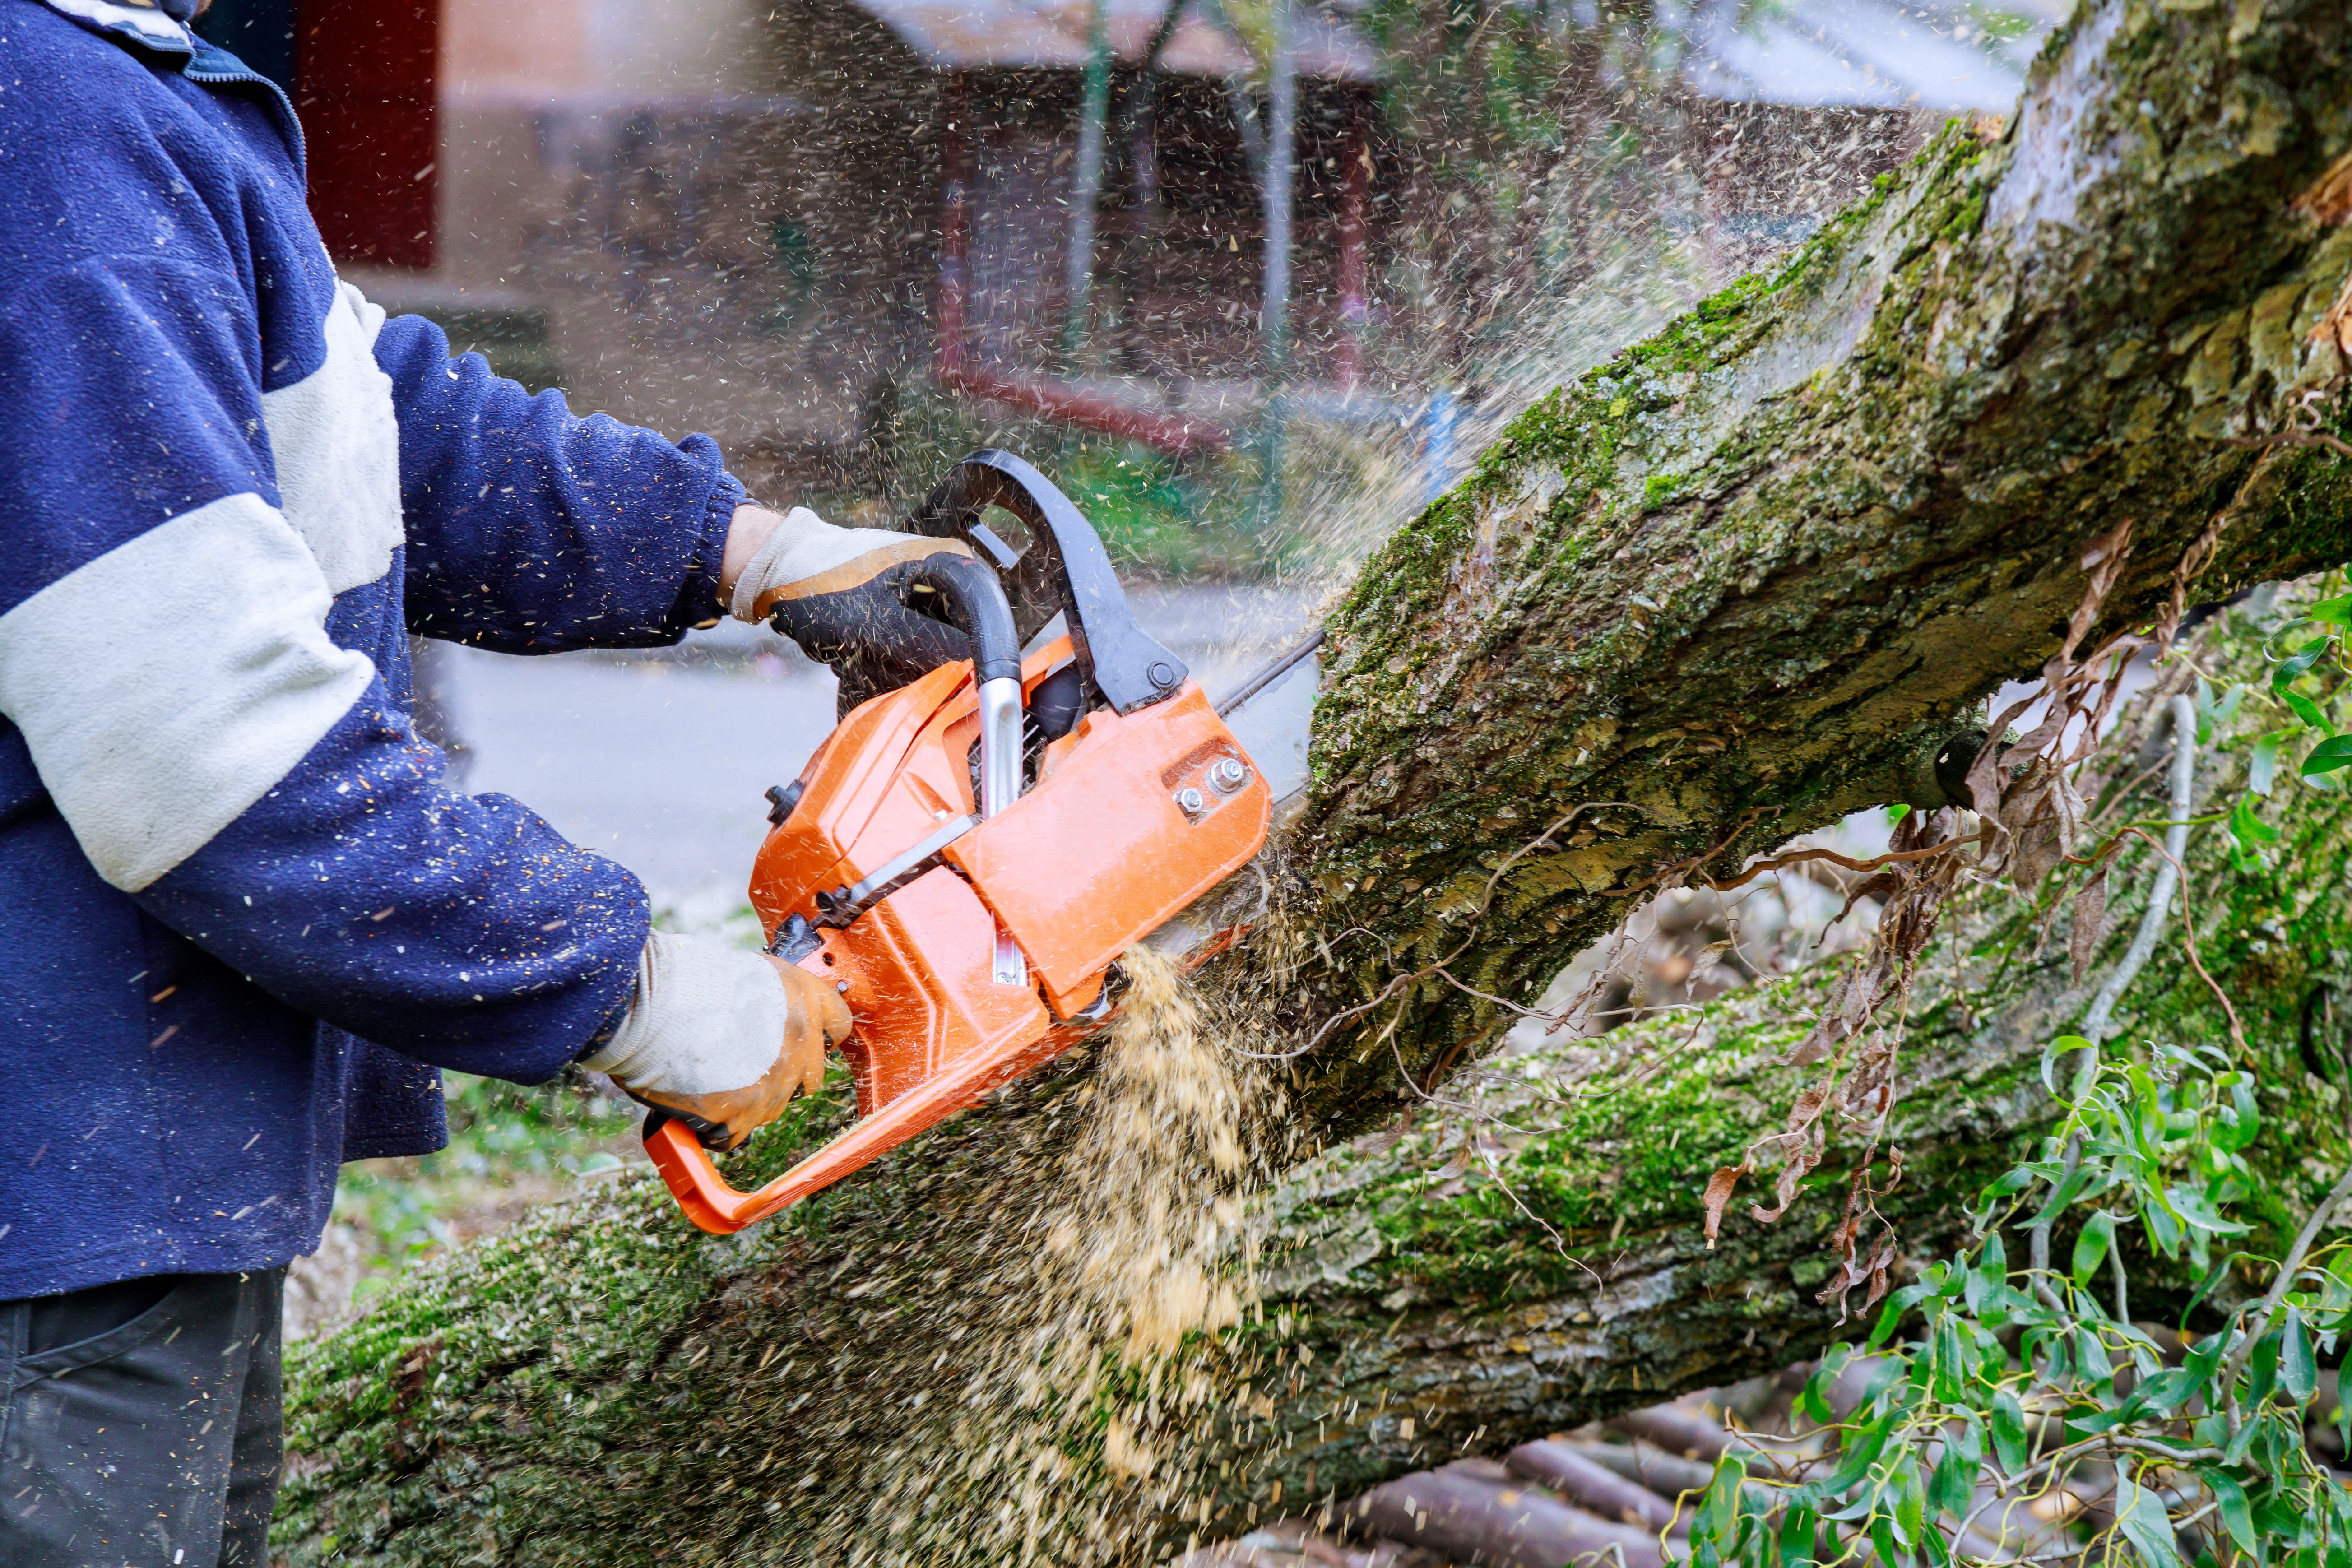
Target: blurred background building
x=854, y=238
x=838, y=233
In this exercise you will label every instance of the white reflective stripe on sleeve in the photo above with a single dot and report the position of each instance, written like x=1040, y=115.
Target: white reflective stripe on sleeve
x=369, y=313
x=169, y=684
x=707, y=1018
x=337, y=446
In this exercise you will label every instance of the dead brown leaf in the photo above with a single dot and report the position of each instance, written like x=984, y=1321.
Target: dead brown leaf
x=2090, y=922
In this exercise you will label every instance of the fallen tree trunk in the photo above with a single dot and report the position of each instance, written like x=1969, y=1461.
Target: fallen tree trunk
x=602, y=1385
x=1738, y=581
x=1464, y=1287
x=1735, y=582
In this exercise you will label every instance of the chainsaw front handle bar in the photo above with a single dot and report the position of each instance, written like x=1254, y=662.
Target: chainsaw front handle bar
x=1063, y=569
x=975, y=604
x=707, y=1199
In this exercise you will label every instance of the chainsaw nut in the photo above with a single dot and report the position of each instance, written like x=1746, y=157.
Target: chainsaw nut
x=1191, y=802
x=1228, y=776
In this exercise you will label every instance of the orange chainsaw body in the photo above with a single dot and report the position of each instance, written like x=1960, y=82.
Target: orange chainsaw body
x=1130, y=819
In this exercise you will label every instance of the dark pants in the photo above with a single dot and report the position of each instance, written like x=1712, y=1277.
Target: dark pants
x=141, y=1424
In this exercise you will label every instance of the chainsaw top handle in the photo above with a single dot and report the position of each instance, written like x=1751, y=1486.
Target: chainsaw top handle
x=1062, y=569
x=975, y=603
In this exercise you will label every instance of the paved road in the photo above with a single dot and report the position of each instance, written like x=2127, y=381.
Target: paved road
x=661, y=761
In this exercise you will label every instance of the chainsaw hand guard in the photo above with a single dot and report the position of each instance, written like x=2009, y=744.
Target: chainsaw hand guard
x=970, y=925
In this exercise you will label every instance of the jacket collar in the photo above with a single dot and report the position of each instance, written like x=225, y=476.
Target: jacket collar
x=134, y=21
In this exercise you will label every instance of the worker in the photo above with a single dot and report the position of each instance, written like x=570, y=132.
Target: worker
x=243, y=918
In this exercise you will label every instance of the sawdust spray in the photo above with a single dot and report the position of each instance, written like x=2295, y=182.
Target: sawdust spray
x=1054, y=1382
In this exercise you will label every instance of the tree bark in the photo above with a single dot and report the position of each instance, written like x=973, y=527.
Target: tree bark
x=1730, y=586
x=1740, y=576
x=602, y=1385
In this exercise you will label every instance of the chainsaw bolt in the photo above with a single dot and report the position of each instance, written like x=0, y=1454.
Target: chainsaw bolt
x=1192, y=801
x=1163, y=675
x=1228, y=776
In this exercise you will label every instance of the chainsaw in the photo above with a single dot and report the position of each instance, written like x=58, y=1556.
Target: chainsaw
x=978, y=842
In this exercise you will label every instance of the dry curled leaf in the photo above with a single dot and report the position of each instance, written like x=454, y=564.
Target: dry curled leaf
x=2328, y=199
x=2090, y=922
x=1720, y=1188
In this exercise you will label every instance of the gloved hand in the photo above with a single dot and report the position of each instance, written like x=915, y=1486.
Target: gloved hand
x=722, y=1038
x=847, y=597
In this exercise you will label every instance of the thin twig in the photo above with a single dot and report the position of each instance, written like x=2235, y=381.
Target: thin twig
x=1402, y=982
x=2291, y=438
x=2288, y=1268
x=1848, y=862
x=2188, y=945
x=2168, y=877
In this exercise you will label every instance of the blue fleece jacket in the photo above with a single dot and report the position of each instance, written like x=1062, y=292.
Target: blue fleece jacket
x=242, y=916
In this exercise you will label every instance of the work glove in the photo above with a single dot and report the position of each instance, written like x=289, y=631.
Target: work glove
x=720, y=1038
x=848, y=597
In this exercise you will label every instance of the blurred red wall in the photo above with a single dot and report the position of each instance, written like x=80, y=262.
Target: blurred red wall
x=365, y=87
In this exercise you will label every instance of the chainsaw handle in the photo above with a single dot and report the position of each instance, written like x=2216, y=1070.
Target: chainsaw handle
x=1064, y=570
x=686, y=1167
x=976, y=603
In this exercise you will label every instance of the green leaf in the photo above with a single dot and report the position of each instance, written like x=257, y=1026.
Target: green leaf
x=2300, y=660
x=2237, y=1514
x=2063, y=1197
x=2197, y=1209
x=1954, y=1485
x=2223, y=713
x=1799, y=1527
x=1858, y=1452
x=2141, y=1518
x=2249, y=829
x=2091, y=1246
x=2261, y=1371
x=1882, y=1378
x=2244, y=1119
x=1890, y=1317
x=1718, y=1514
x=2298, y=1371
x=1898, y=812
x=2306, y=710
x=2009, y=1431
x=1910, y=1503
x=2058, y=1048
x=2335, y=611
x=2205, y=1288
x=2262, y=769
x=2165, y=1390
x=1812, y=1400
x=2334, y=752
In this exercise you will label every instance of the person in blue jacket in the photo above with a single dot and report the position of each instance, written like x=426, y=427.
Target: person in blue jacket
x=244, y=919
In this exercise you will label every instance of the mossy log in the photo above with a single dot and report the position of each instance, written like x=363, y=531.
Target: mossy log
x=1738, y=577
x=604, y=1386
x=1733, y=583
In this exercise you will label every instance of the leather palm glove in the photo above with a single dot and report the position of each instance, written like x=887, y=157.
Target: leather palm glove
x=722, y=1038
x=849, y=598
